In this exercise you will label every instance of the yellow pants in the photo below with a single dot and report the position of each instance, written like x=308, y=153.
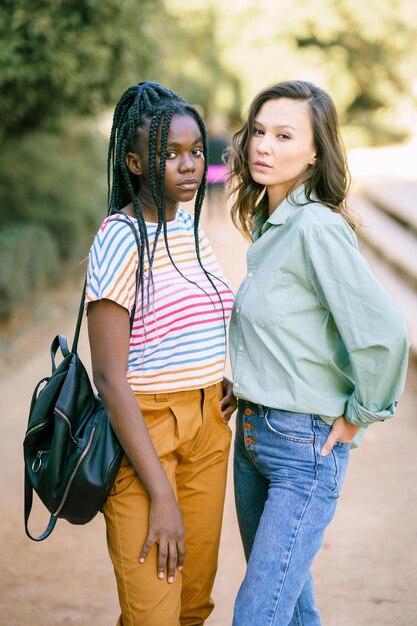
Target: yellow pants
x=192, y=442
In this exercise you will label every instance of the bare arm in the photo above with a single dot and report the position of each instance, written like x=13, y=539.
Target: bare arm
x=109, y=334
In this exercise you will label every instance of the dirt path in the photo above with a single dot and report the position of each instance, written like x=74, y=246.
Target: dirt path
x=366, y=573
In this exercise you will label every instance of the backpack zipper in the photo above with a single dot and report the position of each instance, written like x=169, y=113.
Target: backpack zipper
x=36, y=426
x=61, y=413
x=36, y=465
x=72, y=477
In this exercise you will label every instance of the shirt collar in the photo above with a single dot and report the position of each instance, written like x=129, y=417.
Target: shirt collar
x=288, y=206
x=281, y=214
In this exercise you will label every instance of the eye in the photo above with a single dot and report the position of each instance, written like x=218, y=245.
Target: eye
x=258, y=131
x=170, y=154
x=283, y=136
x=199, y=152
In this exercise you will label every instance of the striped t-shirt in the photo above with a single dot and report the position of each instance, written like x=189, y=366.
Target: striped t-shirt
x=179, y=342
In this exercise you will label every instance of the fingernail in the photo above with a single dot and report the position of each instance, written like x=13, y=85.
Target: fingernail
x=179, y=568
x=171, y=579
x=141, y=559
x=324, y=452
x=161, y=575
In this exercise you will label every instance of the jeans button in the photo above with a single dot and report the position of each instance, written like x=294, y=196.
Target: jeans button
x=248, y=411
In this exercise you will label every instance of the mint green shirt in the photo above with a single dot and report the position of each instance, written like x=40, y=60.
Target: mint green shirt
x=312, y=330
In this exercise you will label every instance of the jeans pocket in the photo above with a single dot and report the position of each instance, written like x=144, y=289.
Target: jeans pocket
x=290, y=426
x=334, y=465
x=340, y=456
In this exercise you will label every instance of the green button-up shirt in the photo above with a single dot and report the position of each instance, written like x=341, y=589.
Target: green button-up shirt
x=312, y=330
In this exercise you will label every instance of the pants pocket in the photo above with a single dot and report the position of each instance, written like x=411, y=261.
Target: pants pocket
x=334, y=465
x=125, y=476
x=290, y=426
x=340, y=456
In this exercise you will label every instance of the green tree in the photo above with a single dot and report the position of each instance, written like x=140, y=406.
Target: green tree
x=72, y=56
x=363, y=53
x=192, y=58
x=369, y=43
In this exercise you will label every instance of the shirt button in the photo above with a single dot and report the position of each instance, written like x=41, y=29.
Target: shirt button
x=250, y=274
x=237, y=385
x=238, y=310
x=241, y=348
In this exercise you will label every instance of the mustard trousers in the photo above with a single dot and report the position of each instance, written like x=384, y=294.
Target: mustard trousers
x=192, y=442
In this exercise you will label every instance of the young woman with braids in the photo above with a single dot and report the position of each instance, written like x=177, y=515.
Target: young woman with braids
x=318, y=348
x=161, y=381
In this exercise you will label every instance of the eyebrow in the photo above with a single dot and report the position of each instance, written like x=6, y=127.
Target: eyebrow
x=278, y=125
x=178, y=145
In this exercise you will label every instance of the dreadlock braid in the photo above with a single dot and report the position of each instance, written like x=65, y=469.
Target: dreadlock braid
x=153, y=138
x=150, y=107
x=166, y=122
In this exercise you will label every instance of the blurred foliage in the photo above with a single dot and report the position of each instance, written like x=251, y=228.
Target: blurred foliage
x=58, y=182
x=70, y=56
x=366, y=44
x=29, y=262
x=363, y=53
x=52, y=199
x=193, y=62
x=77, y=56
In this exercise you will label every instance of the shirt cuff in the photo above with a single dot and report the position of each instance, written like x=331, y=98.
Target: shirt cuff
x=360, y=416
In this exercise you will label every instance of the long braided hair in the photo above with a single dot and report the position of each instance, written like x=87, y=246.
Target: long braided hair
x=150, y=107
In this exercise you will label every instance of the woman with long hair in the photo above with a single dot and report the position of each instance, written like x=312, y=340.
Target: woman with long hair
x=318, y=347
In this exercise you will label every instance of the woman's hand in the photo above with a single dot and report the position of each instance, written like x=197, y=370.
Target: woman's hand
x=166, y=528
x=228, y=403
x=341, y=430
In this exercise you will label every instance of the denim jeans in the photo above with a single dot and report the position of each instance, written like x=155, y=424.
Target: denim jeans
x=286, y=495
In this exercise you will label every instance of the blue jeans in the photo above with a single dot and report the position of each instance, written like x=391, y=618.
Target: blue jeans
x=286, y=495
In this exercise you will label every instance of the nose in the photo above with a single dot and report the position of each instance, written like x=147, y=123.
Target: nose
x=264, y=145
x=187, y=163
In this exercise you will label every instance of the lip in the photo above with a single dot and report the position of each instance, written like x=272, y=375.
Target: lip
x=262, y=164
x=190, y=184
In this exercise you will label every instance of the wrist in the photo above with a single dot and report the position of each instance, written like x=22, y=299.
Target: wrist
x=161, y=492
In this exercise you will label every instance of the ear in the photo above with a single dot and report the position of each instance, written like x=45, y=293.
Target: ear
x=133, y=162
x=313, y=159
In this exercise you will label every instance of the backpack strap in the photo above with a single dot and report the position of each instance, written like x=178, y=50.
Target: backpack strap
x=28, y=508
x=124, y=219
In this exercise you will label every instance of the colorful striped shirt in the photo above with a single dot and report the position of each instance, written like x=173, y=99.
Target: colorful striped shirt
x=178, y=334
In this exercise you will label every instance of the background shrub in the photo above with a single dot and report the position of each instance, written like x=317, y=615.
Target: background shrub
x=29, y=262
x=52, y=199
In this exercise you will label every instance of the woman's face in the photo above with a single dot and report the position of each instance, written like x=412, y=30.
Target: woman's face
x=184, y=159
x=184, y=167
x=281, y=147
